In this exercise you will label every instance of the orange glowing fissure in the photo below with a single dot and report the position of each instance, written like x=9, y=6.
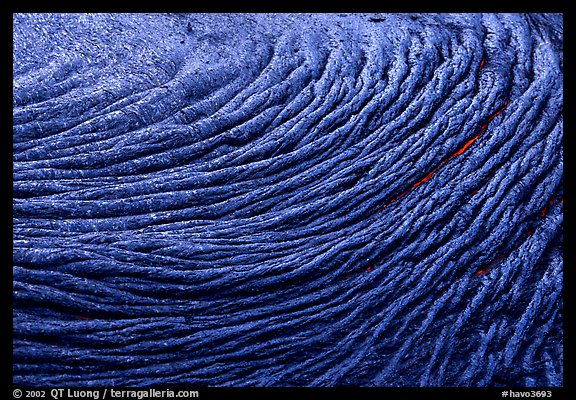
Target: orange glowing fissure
x=427, y=177
x=468, y=143
x=551, y=202
x=455, y=154
x=483, y=271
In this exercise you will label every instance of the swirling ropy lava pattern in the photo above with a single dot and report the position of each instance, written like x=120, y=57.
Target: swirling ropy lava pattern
x=288, y=200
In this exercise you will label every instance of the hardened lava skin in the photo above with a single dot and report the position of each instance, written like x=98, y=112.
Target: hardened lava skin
x=287, y=199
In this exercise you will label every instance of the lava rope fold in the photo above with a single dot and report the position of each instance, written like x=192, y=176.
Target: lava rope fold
x=287, y=199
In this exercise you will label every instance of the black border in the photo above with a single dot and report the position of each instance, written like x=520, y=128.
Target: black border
x=534, y=6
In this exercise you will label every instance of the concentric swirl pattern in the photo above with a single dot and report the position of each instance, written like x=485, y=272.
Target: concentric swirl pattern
x=288, y=200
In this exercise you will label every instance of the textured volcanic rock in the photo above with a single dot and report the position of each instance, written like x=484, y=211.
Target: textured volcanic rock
x=288, y=200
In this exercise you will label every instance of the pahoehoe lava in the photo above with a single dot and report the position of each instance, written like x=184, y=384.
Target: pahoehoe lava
x=287, y=199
